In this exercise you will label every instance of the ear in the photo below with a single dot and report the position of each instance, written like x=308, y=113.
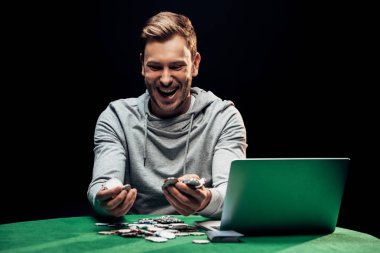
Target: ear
x=197, y=61
x=142, y=64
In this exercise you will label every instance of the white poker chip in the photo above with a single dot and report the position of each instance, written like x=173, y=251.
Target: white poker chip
x=182, y=234
x=201, y=241
x=171, y=231
x=162, y=225
x=156, y=239
x=179, y=226
x=102, y=224
x=111, y=232
x=142, y=226
x=165, y=234
x=127, y=187
x=196, y=233
x=126, y=230
x=154, y=229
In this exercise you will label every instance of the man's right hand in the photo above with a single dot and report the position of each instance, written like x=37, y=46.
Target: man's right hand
x=116, y=201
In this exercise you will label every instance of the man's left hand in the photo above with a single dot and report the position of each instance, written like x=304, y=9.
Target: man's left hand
x=185, y=199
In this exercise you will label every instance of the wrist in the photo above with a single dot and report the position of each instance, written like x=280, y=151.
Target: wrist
x=206, y=201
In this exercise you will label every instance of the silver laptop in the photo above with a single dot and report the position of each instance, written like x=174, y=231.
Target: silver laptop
x=283, y=196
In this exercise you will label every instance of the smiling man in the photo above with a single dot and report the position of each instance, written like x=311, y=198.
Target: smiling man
x=172, y=130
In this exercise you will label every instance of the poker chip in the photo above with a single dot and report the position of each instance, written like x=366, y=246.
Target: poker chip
x=194, y=182
x=156, y=239
x=196, y=233
x=154, y=229
x=165, y=234
x=146, y=233
x=118, y=225
x=169, y=181
x=111, y=232
x=126, y=230
x=171, y=231
x=179, y=226
x=201, y=241
x=141, y=226
x=130, y=234
x=159, y=225
x=182, y=234
x=101, y=224
x=188, y=229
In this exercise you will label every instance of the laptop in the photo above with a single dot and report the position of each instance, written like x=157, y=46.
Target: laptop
x=268, y=196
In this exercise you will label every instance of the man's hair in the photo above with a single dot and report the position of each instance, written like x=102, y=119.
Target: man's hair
x=164, y=25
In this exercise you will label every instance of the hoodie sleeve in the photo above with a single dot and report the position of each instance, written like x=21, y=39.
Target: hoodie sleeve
x=231, y=145
x=110, y=155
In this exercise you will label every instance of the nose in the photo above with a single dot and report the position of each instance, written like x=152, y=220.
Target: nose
x=166, y=77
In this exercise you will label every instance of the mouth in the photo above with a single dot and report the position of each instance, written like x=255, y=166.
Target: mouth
x=167, y=92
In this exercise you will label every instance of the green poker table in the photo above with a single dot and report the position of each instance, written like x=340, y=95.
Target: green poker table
x=80, y=234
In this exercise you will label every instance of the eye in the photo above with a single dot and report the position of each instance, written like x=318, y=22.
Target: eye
x=176, y=67
x=154, y=67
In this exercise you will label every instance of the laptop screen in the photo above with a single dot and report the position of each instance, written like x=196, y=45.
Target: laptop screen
x=284, y=195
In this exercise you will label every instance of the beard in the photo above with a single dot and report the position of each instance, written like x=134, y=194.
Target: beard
x=163, y=106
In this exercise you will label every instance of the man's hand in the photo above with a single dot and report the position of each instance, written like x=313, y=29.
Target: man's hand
x=116, y=201
x=186, y=200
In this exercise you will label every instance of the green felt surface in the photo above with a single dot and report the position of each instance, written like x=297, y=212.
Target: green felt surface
x=79, y=234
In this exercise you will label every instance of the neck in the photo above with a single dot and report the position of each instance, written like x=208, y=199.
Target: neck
x=182, y=109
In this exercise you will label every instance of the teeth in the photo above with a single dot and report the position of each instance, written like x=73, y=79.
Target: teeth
x=167, y=91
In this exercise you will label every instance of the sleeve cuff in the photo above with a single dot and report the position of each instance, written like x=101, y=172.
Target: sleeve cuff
x=214, y=208
x=94, y=190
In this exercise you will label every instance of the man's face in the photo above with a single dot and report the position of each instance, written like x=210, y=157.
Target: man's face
x=168, y=71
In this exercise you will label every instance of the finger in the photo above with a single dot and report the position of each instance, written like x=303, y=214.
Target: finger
x=184, y=212
x=196, y=194
x=182, y=209
x=187, y=201
x=124, y=207
x=178, y=206
x=116, y=201
x=181, y=198
x=108, y=193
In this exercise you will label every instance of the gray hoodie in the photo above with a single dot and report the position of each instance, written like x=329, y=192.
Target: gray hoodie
x=141, y=149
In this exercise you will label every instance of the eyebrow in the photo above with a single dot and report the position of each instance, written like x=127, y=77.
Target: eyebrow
x=170, y=63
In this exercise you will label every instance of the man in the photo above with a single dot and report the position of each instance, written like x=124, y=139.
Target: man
x=173, y=130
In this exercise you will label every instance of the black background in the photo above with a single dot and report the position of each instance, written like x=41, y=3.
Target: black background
x=294, y=69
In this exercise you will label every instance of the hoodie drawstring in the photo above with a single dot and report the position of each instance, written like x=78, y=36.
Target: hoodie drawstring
x=187, y=144
x=145, y=136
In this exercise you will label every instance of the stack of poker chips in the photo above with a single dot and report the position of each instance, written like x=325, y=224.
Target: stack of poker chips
x=159, y=229
x=193, y=183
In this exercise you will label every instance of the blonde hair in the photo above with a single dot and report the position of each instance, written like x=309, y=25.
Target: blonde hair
x=164, y=25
